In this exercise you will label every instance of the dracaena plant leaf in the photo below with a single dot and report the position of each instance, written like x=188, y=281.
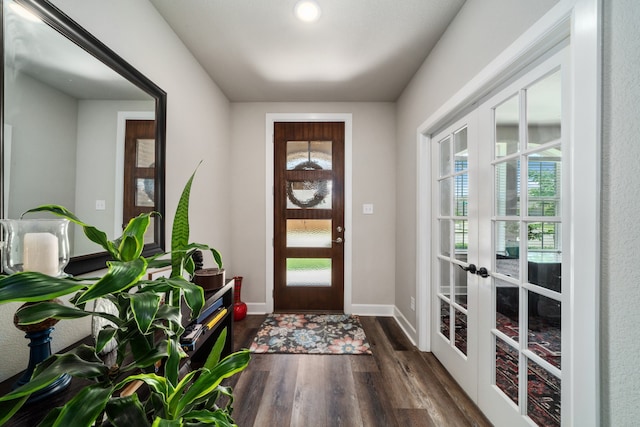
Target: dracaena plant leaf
x=85, y=407
x=144, y=306
x=120, y=276
x=33, y=287
x=95, y=235
x=210, y=379
x=35, y=313
x=126, y=411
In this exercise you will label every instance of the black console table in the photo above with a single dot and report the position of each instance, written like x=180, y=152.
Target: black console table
x=30, y=415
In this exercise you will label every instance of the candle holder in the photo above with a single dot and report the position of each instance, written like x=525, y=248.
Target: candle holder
x=39, y=245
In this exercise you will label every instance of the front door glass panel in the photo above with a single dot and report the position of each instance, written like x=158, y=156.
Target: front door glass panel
x=309, y=272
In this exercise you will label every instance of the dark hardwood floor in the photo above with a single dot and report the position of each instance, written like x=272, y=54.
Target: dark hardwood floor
x=397, y=386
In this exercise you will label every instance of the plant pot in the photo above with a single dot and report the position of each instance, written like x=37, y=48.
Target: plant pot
x=210, y=279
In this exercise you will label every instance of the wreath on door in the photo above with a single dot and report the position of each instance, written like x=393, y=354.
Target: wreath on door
x=320, y=194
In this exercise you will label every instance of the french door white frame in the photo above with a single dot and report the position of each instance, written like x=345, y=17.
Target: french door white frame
x=579, y=21
x=346, y=118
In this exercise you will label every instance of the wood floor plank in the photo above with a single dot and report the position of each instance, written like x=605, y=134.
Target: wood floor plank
x=394, y=334
x=415, y=418
x=342, y=400
x=248, y=396
x=375, y=405
x=309, y=402
x=278, y=393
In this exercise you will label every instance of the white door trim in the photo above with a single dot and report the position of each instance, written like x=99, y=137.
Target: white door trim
x=580, y=21
x=271, y=118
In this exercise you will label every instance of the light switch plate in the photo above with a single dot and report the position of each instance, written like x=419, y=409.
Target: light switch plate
x=101, y=205
x=367, y=209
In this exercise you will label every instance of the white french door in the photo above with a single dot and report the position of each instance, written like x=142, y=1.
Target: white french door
x=455, y=299
x=500, y=218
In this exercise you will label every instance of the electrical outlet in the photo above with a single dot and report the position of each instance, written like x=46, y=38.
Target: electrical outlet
x=413, y=304
x=367, y=209
x=101, y=205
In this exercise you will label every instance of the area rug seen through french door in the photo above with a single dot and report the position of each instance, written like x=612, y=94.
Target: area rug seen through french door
x=311, y=334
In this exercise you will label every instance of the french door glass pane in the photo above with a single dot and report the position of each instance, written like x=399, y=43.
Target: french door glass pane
x=507, y=235
x=460, y=286
x=461, y=331
x=445, y=319
x=461, y=238
x=461, y=153
x=445, y=278
x=445, y=197
x=308, y=233
x=507, y=117
x=507, y=188
x=507, y=309
x=309, y=155
x=445, y=237
x=507, y=370
x=308, y=271
x=445, y=156
x=543, y=184
x=461, y=195
x=543, y=395
x=545, y=328
x=544, y=111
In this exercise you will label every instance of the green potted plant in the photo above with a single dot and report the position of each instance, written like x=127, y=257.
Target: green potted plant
x=146, y=330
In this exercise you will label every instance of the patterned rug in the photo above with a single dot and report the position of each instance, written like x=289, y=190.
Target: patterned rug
x=311, y=334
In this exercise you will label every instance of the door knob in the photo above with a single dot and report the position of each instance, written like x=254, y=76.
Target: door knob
x=338, y=240
x=471, y=268
x=483, y=272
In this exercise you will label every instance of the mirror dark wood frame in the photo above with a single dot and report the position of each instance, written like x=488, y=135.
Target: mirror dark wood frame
x=70, y=29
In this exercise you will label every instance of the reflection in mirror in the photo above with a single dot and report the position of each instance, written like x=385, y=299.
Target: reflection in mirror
x=68, y=101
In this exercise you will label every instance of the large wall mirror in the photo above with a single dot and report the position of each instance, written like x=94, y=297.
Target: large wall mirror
x=81, y=128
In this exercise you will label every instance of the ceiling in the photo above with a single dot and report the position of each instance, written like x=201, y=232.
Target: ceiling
x=359, y=50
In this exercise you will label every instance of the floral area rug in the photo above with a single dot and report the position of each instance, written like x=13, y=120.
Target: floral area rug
x=311, y=334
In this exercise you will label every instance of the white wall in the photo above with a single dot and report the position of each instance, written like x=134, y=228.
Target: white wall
x=197, y=129
x=620, y=279
x=95, y=166
x=48, y=149
x=481, y=30
x=373, y=182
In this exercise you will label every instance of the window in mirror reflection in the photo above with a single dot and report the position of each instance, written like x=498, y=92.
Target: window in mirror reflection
x=139, y=169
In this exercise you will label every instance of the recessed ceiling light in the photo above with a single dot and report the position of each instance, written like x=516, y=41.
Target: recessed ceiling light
x=307, y=10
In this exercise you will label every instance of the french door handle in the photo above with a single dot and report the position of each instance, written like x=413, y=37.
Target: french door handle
x=471, y=268
x=483, y=272
x=338, y=240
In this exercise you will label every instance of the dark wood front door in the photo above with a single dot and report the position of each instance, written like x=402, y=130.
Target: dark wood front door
x=139, y=170
x=309, y=216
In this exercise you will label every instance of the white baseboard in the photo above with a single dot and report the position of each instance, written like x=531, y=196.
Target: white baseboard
x=382, y=310
x=359, y=309
x=256, y=308
x=406, y=327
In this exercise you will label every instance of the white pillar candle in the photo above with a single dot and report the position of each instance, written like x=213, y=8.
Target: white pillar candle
x=41, y=253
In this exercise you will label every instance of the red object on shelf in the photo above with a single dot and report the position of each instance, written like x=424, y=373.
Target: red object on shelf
x=239, y=308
